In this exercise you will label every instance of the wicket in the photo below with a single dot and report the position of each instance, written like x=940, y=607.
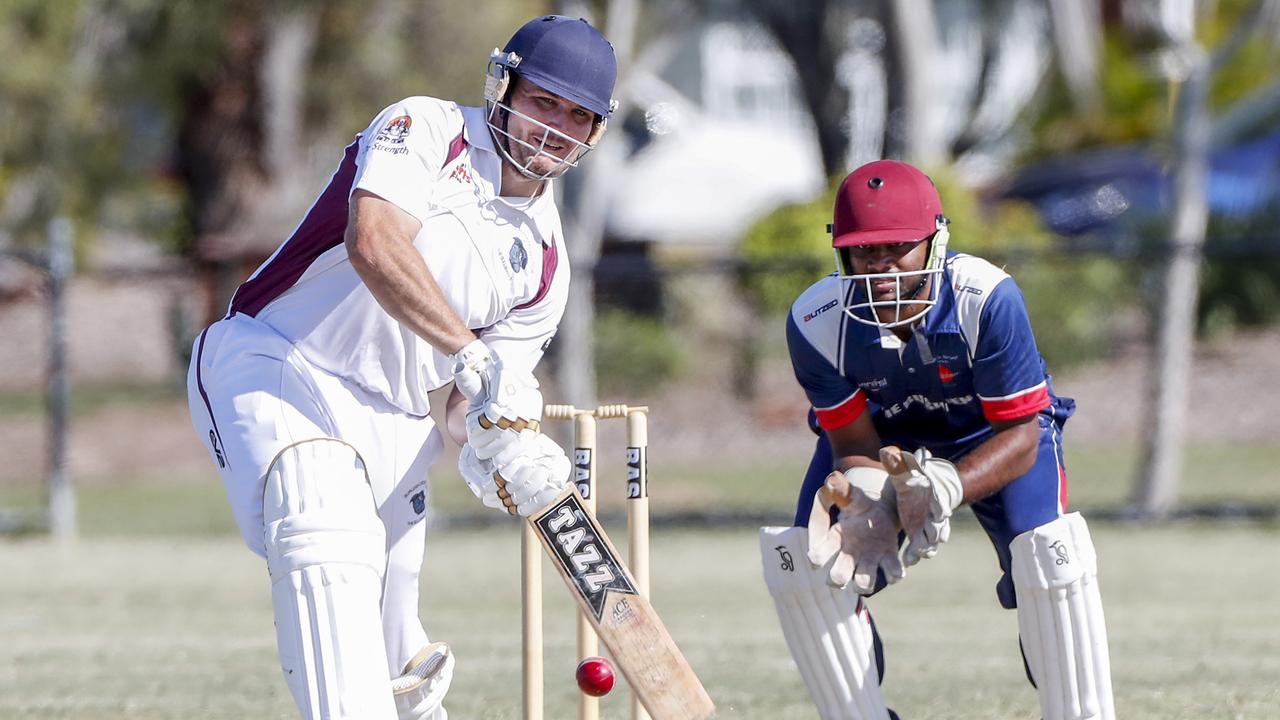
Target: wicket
x=584, y=460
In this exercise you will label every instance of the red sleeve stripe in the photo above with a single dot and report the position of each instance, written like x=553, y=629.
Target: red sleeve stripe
x=1019, y=405
x=842, y=414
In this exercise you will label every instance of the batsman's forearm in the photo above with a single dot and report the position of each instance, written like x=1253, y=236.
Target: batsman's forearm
x=402, y=284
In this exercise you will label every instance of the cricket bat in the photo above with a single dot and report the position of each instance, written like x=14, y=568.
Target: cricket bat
x=606, y=593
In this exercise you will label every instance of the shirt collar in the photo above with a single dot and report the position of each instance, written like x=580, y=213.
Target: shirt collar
x=476, y=129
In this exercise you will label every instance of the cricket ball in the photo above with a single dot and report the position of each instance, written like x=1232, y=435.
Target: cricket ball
x=595, y=676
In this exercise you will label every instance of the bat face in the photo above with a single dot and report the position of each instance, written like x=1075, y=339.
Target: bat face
x=573, y=541
x=623, y=618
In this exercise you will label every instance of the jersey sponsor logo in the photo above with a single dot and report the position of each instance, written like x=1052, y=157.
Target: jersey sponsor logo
x=946, y=375
x=518, y=256
x=461, y=174
x=924, y=402
x=967, y=289
x=877, y=384
x=820, y=310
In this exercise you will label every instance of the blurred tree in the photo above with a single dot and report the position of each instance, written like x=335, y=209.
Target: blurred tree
x=812, y=34
x=158, y=103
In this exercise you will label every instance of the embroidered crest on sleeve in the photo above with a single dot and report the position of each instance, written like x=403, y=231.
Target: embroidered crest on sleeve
x=395, y=131
x=391, y=137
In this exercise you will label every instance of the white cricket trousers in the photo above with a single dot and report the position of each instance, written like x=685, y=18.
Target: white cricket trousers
x=252, y=394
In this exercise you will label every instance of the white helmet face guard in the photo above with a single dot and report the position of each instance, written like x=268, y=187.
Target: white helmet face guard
x=497, y=83
x=856, y=289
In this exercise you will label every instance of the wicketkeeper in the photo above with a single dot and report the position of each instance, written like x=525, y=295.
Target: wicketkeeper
x=435, y=255
x=928, y=393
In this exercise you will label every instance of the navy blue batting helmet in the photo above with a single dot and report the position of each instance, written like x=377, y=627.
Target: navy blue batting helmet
x=566, y=56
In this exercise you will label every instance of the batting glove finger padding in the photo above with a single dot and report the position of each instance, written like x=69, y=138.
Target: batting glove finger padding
x=531, y=473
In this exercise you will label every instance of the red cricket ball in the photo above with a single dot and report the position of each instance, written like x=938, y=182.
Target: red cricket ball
x=595, y=676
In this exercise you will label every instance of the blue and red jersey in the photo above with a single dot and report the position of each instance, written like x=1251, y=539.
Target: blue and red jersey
x=971, y=362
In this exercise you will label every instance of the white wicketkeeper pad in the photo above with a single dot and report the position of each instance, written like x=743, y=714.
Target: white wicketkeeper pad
x=1064, y=637
x=420, y=691
x=326, y=550
x=827, y=628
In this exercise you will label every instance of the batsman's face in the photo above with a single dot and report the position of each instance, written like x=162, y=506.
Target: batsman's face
x=552, y=130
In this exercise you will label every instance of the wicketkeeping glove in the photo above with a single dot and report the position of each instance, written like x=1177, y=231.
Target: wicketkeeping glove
x=864, y=538
x=928, y=490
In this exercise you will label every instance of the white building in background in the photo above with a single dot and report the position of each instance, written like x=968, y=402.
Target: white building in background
x=729, y=141
x=727, y=138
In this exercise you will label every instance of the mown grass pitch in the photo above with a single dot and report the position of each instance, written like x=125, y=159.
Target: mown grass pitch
x=157, y=627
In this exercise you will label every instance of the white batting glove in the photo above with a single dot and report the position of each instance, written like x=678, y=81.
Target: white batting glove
x=501, y=403
x=531, y=473
x=929, y=490
x=864, y=539
x=479, y=477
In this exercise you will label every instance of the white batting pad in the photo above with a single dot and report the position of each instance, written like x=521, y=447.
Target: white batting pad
x=1064, y=636
x=420, y=691
x=827, y=628
x=326, y=550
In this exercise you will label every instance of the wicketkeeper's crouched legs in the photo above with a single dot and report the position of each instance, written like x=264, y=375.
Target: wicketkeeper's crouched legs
x=828, y=630
x=326, y=551
x=1060, y=620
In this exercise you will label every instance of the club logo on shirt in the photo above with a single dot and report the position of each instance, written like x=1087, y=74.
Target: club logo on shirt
x=518, y=256
x=946, y=375
x=395, y=131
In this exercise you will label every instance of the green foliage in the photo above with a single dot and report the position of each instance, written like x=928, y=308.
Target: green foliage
x=93, y=93
x=1240, y=284
x=786, y=252
x=1137, y=100
x=635, y=352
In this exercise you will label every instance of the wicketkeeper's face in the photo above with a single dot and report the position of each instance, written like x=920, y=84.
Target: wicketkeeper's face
x=887, y=259
x=550, y=130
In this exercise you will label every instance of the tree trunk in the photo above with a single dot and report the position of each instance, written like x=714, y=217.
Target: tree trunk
x=914, y=132
x=1163, y=446
x=812, y=34
x=584, y=201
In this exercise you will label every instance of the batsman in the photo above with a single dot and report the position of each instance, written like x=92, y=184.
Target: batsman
x=435, y=255
x=927, y=393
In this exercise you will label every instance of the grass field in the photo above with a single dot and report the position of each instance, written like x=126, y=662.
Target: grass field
x=159, y=626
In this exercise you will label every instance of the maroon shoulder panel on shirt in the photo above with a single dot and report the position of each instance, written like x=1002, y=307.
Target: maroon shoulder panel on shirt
x=323, y=228
x=456, y=146
x=550, y=259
